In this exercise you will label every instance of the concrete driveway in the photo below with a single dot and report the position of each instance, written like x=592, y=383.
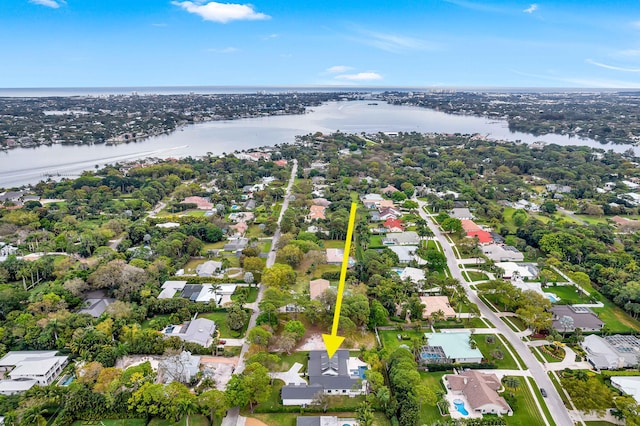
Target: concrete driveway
x=291, y=377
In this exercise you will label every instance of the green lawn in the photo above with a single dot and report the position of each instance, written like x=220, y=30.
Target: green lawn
x=568, y=294
x=517, y=322
x=526, y=412
x=194, y=420
x=333, y=244
x=559, y=389
x=593, y=220
x=389, y=338
x=145, y=323
x=599, y=423
x=615, y=318
x=320, y=269
x=375, y=242
x=430, y=413
x=476, y=276
x=289, y=360
x=220, y=319
x=507, y=361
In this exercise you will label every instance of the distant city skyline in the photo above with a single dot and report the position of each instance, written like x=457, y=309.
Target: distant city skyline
x=428, y=43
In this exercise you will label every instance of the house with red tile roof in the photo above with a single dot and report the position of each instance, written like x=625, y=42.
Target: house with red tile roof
x=317, y=213
x=281, y=163
x=480, y=390
x=390, y=189
x=393, y=225
x=483, y=237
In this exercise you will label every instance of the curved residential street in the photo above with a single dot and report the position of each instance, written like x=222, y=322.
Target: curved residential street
x=558, y=411
x=233, y=417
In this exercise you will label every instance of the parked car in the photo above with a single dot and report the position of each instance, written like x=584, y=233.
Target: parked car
x=543, y=392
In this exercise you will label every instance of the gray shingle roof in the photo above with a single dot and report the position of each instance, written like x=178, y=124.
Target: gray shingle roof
x=301, y=391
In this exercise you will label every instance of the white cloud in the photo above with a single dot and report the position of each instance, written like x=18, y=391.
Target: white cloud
x=54, y=4
x=592, y=83
x=270, y=36
x=612, y=67
x=629, y=52
x=636, y=24
x=361, y=76
x=338, y=69
x=476, y=6
x=394, y=43
x=531, y=8
x=160, y=25
x=222, y=12
x=223, y=50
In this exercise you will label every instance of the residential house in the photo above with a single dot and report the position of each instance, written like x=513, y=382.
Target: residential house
x=385, y=204
x=461, y=213
x=7, y=250
x=611, y=352
x=393, y=225
x=198, y=331
x=220, y=294
x=241, y=217
x=201, y=203
x=502, y=253
x=29, y=368
x=341, y=375
x=405, y=253
x=281, y=163
x=582, y=318
x=375, y=215
x=371, y=201
x=631, y=198
x=170, y=288
x=484, y=237
x=390, y=213
x=553, y=187
x=527, y=205
x=408, y=238
x=335, y=257
x=209, y=268
x=437, y=303
x=413, y=274
x=627, y=385
x=390, y=189
x=236, y=244
x=317, y=213
x=321, y=202
x=240, y=228
x=95, y=306
x=250, y=204
x=514, y=271
x=317, y=287
x=168, y=225
x=449, y=347
x=179, y=368
x=480, y=390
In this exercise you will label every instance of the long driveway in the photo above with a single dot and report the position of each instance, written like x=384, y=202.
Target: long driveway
x=233, y=415
x=558, y=411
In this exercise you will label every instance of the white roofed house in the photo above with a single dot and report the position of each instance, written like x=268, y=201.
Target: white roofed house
x=209, y=268
x=29, y=368
x=179, y=368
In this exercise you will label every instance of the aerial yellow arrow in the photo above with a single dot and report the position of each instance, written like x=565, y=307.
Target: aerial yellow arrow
x=333, y=341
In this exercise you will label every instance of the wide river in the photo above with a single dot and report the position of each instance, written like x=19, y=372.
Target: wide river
x=24, y=166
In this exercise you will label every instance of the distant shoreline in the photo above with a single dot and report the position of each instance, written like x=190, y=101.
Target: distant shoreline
x=20, y=92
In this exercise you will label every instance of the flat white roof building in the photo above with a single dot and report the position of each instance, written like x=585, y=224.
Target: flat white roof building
x=169, y=289
x=29, y=368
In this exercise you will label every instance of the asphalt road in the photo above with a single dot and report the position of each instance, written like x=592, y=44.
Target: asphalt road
x=558, y=411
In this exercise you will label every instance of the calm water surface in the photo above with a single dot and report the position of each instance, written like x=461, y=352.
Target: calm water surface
x=24, y=166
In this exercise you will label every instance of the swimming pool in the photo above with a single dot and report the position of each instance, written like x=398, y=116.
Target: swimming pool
x=429, y=356
x=460, y=407
x=552, y=297
x=67, y=381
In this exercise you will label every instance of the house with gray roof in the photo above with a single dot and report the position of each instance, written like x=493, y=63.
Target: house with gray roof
x=208, y=268
x=461, y=213
x=611, y=352
x=341, y=375
x=236, y=244
x=96, y=306
x=581, y=318
x=198, y=331
x=405, y=253
x=407, y=238
x=502, y=253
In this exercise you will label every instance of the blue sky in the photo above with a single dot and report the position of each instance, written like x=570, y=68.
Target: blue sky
x=461, y=43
